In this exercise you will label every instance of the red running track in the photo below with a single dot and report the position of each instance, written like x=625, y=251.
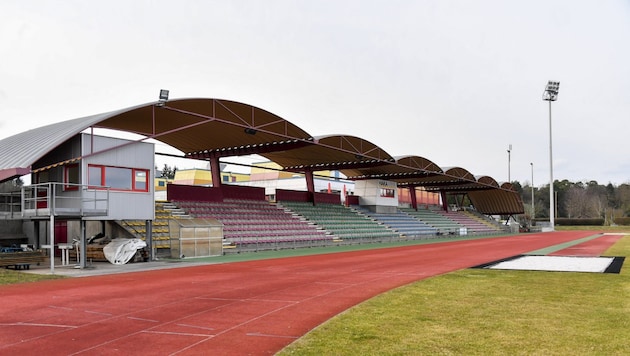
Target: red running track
x=592, y=248
x=255, y=307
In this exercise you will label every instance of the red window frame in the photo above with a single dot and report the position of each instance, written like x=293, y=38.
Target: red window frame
x=134, y=182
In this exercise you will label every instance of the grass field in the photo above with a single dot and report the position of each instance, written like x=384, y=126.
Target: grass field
x=487, y=312
x=8, y=276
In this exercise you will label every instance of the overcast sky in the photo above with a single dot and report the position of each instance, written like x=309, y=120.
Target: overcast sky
x=454, y=81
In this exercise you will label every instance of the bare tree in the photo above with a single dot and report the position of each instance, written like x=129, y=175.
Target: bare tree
x=579, y=204
x=12, y=185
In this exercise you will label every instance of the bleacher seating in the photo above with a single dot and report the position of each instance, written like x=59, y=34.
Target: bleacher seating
x=450, y=222
x=160, y=231
x=472, y=226
x=340, y=221
x=489, y=226
x=442, y=224
x=403, y=223
x=252, y=224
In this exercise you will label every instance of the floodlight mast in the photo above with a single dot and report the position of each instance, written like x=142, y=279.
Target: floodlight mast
x=509, y=151
x=551, y=94
x=533, y=208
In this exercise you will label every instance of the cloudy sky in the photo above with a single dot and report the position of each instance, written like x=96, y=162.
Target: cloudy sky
x=455, y=81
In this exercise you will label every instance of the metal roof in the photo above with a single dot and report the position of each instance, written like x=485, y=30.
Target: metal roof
x=203, y=128
x=19, y=152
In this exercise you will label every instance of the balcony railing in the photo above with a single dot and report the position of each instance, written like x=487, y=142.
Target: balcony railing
x=63, y=199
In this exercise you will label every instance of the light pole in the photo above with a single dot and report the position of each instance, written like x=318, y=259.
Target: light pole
x=551, y=94
x=509, y=150
x=533, y=211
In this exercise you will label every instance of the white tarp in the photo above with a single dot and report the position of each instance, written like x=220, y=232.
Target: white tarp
x=557, y=263
x=120, y=251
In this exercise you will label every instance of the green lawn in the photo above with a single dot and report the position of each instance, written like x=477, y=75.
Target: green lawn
x=9, y=276
x=487, y=312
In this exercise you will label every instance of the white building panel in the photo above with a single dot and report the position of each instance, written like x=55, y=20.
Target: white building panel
x=119, y=154
x=377, y=195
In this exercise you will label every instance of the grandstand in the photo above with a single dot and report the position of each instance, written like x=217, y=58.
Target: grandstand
x=257, y=225
x=86, y=184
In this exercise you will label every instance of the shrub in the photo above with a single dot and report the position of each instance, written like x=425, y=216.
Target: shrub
x=622, y=221
x=580, y=222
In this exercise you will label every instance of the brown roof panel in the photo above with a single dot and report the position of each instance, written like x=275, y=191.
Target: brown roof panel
x=207, y=125
x=334, y=152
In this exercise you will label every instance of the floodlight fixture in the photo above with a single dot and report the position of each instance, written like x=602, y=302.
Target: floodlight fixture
x=250, y=131
x=163, y=95
x=551, y=91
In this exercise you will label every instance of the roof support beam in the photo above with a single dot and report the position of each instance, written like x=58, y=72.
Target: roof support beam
x=444, y=200
x=215, y=170
x=248, y=149
x=414, y=200
x=337, y=166
x=310, y=185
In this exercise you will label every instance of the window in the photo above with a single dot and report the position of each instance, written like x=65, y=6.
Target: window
x=140, y=181
x=387, y=193
x=42, y=177
x=71, y=176
x=95, y=176
x=118, y=178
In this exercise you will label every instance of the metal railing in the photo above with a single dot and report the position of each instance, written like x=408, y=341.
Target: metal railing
x=45, y=199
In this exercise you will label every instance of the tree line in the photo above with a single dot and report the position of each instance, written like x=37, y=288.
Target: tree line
x=576, y=200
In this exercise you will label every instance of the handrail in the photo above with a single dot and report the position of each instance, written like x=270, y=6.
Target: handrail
x=53, y=198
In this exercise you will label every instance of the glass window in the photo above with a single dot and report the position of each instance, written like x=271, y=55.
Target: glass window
x=118, y=178
x=42, y=177
x=387, y=193
x=141, y=180
x=71, y=176
x=95, y=176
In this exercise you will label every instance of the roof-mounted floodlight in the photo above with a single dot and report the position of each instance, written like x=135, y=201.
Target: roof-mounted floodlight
x=250, y=131
x=551, y=91
x=163, y=97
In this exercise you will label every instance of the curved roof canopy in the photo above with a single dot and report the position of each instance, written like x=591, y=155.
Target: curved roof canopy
x=213, y=128
x=335, y=152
